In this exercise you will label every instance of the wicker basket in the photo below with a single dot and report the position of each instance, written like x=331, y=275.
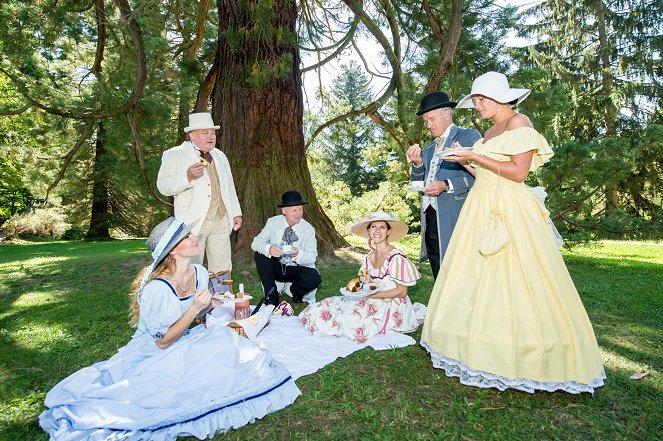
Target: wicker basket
x=238, y=329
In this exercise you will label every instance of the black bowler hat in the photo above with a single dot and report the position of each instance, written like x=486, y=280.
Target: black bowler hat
x=435, y=100
x=291, y=198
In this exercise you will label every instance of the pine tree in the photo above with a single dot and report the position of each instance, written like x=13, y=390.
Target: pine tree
x=345, y=146
x=597, y=64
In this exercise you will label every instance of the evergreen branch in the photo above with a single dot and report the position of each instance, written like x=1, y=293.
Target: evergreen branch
x=393, y=54
x=141, y=159
x=201, y=22
x=342, y=44
x=87, y=132
x=100, y=15
x=357, y=7
x=365, y=63
x=377, y=118
x=398, y=74
x=139, y=82
x=205, y=89
x=589, y=194
x=448, y=50
x=17, y=111
x=331, y=29
x=433, y=21
x=597, y=226
x=370, y=108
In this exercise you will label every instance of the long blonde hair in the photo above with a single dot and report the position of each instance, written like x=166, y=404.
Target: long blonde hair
x=167, y=266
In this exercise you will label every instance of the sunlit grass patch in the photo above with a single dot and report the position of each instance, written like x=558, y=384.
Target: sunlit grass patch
x=64, y=306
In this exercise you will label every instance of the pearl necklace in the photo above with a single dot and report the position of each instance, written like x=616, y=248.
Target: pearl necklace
x=189, y=272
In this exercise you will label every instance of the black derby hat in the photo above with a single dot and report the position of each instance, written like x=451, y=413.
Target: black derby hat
x=435, y=100
x=291, y=198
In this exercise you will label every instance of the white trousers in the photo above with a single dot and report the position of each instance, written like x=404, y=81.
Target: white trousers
x=214, y=241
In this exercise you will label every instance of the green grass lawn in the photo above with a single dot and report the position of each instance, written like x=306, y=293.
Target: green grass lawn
x=64, y=306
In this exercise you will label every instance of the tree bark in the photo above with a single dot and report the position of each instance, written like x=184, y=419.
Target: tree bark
x=261, y=125
x=100, y=216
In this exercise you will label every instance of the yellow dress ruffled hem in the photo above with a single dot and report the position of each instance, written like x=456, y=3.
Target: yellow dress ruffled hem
x=513, y=318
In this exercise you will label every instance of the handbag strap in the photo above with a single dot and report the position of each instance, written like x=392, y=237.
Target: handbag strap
x=493, y=205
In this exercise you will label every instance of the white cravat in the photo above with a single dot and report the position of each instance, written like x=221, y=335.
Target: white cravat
x=432, y=170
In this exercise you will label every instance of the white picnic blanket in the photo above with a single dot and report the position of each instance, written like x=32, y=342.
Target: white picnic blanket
x=304, y=353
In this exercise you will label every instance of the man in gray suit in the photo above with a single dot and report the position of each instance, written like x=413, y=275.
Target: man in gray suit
x=446, y=183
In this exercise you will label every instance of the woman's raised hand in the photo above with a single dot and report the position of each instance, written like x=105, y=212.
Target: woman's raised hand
x=461, y=156
x=202, y=299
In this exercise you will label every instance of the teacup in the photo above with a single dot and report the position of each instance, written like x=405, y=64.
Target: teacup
x=286, y=250
x=417, y=184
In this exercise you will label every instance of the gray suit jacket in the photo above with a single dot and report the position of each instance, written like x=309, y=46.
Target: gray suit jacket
x=448, y=204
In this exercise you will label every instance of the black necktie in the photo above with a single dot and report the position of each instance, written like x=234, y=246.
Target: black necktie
x=207, y=156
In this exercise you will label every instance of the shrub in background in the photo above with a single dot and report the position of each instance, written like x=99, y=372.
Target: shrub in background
x=42, y=222
x=344, y=210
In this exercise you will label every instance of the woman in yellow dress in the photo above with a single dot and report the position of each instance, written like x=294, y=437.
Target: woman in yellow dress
x=504, y=312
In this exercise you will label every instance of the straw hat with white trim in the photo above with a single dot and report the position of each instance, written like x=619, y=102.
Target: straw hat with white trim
x=493, y=85
x=397, y=232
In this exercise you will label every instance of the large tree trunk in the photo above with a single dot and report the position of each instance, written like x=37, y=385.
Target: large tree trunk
x=261, y=125
x=99, y=219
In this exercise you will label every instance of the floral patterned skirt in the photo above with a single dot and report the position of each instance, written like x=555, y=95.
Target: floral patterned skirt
x=359, y=320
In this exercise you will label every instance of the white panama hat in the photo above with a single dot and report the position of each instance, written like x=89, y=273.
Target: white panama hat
x=398, y=228
x=200, y=121
x=493, y=85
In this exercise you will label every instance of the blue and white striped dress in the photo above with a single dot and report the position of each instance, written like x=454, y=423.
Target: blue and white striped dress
x=207, y=382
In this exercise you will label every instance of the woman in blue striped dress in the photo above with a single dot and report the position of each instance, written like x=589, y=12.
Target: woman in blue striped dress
x=169, y=380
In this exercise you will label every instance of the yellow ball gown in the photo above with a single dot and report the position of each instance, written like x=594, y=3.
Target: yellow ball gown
x=512, y=319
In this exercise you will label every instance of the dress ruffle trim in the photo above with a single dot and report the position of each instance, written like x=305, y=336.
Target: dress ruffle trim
x=215, y=420
x=516, y=141
x=486, y=380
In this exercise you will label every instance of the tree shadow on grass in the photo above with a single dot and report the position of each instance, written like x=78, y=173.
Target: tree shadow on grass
x=76, y=315
x=87, y=318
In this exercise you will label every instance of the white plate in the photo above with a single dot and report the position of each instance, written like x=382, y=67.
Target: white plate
x=451, y=152
x=231, y=299
x=360, y=294
x=416, y=188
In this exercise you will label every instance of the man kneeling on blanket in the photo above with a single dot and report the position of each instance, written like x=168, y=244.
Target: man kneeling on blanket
x=169, y=380
x=382, y=305
x=286, y=250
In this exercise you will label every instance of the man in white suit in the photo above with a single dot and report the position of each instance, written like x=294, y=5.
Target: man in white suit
x=199, y=178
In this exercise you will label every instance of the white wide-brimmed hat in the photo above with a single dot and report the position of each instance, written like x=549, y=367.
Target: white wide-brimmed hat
x=200, y=121
x=493, y=85
x=397, y=232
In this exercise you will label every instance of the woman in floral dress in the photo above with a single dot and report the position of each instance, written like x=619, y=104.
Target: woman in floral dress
x=388, y=310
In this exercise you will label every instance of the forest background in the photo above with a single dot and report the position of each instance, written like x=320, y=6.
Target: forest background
x=93, y=91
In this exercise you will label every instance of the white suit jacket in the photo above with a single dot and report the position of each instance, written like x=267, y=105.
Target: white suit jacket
x=273, y=232
x=192, y=199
